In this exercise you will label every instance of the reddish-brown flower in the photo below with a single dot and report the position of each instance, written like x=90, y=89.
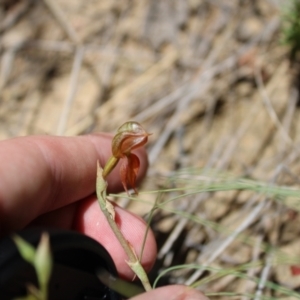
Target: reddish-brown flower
x=130, y=136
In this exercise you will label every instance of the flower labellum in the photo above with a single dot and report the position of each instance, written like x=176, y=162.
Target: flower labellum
x=129, y=136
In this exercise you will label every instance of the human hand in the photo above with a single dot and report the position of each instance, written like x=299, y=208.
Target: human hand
x=50, y=181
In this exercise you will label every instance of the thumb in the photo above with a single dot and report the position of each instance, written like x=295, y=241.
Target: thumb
x=172, y=292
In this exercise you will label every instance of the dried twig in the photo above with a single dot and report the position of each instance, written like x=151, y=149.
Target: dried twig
x=62, y=20
x=72, y=91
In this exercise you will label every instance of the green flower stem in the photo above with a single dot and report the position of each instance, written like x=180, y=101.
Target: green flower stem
x=109, y=166
x=133, y=260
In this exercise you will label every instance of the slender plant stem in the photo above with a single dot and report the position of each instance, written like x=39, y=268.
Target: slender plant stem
x=108, y=212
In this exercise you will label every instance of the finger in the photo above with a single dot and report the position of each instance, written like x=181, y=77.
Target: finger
x=62, y=218
x=172, y=292
x=40, y=174
x=91, y=221
x=85, y=216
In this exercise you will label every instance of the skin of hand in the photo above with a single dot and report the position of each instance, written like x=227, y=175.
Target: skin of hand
x=50, y=181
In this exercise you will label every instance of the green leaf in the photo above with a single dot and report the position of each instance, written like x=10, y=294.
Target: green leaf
x=43, y=263
x=26, y=250
x=101, y=186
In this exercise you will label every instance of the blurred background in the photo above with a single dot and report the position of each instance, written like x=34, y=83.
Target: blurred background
x=218, y=88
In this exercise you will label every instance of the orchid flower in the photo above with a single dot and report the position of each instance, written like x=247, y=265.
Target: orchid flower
x=129, y=136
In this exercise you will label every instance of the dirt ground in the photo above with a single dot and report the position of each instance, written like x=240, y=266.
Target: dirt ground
x=212, y=82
